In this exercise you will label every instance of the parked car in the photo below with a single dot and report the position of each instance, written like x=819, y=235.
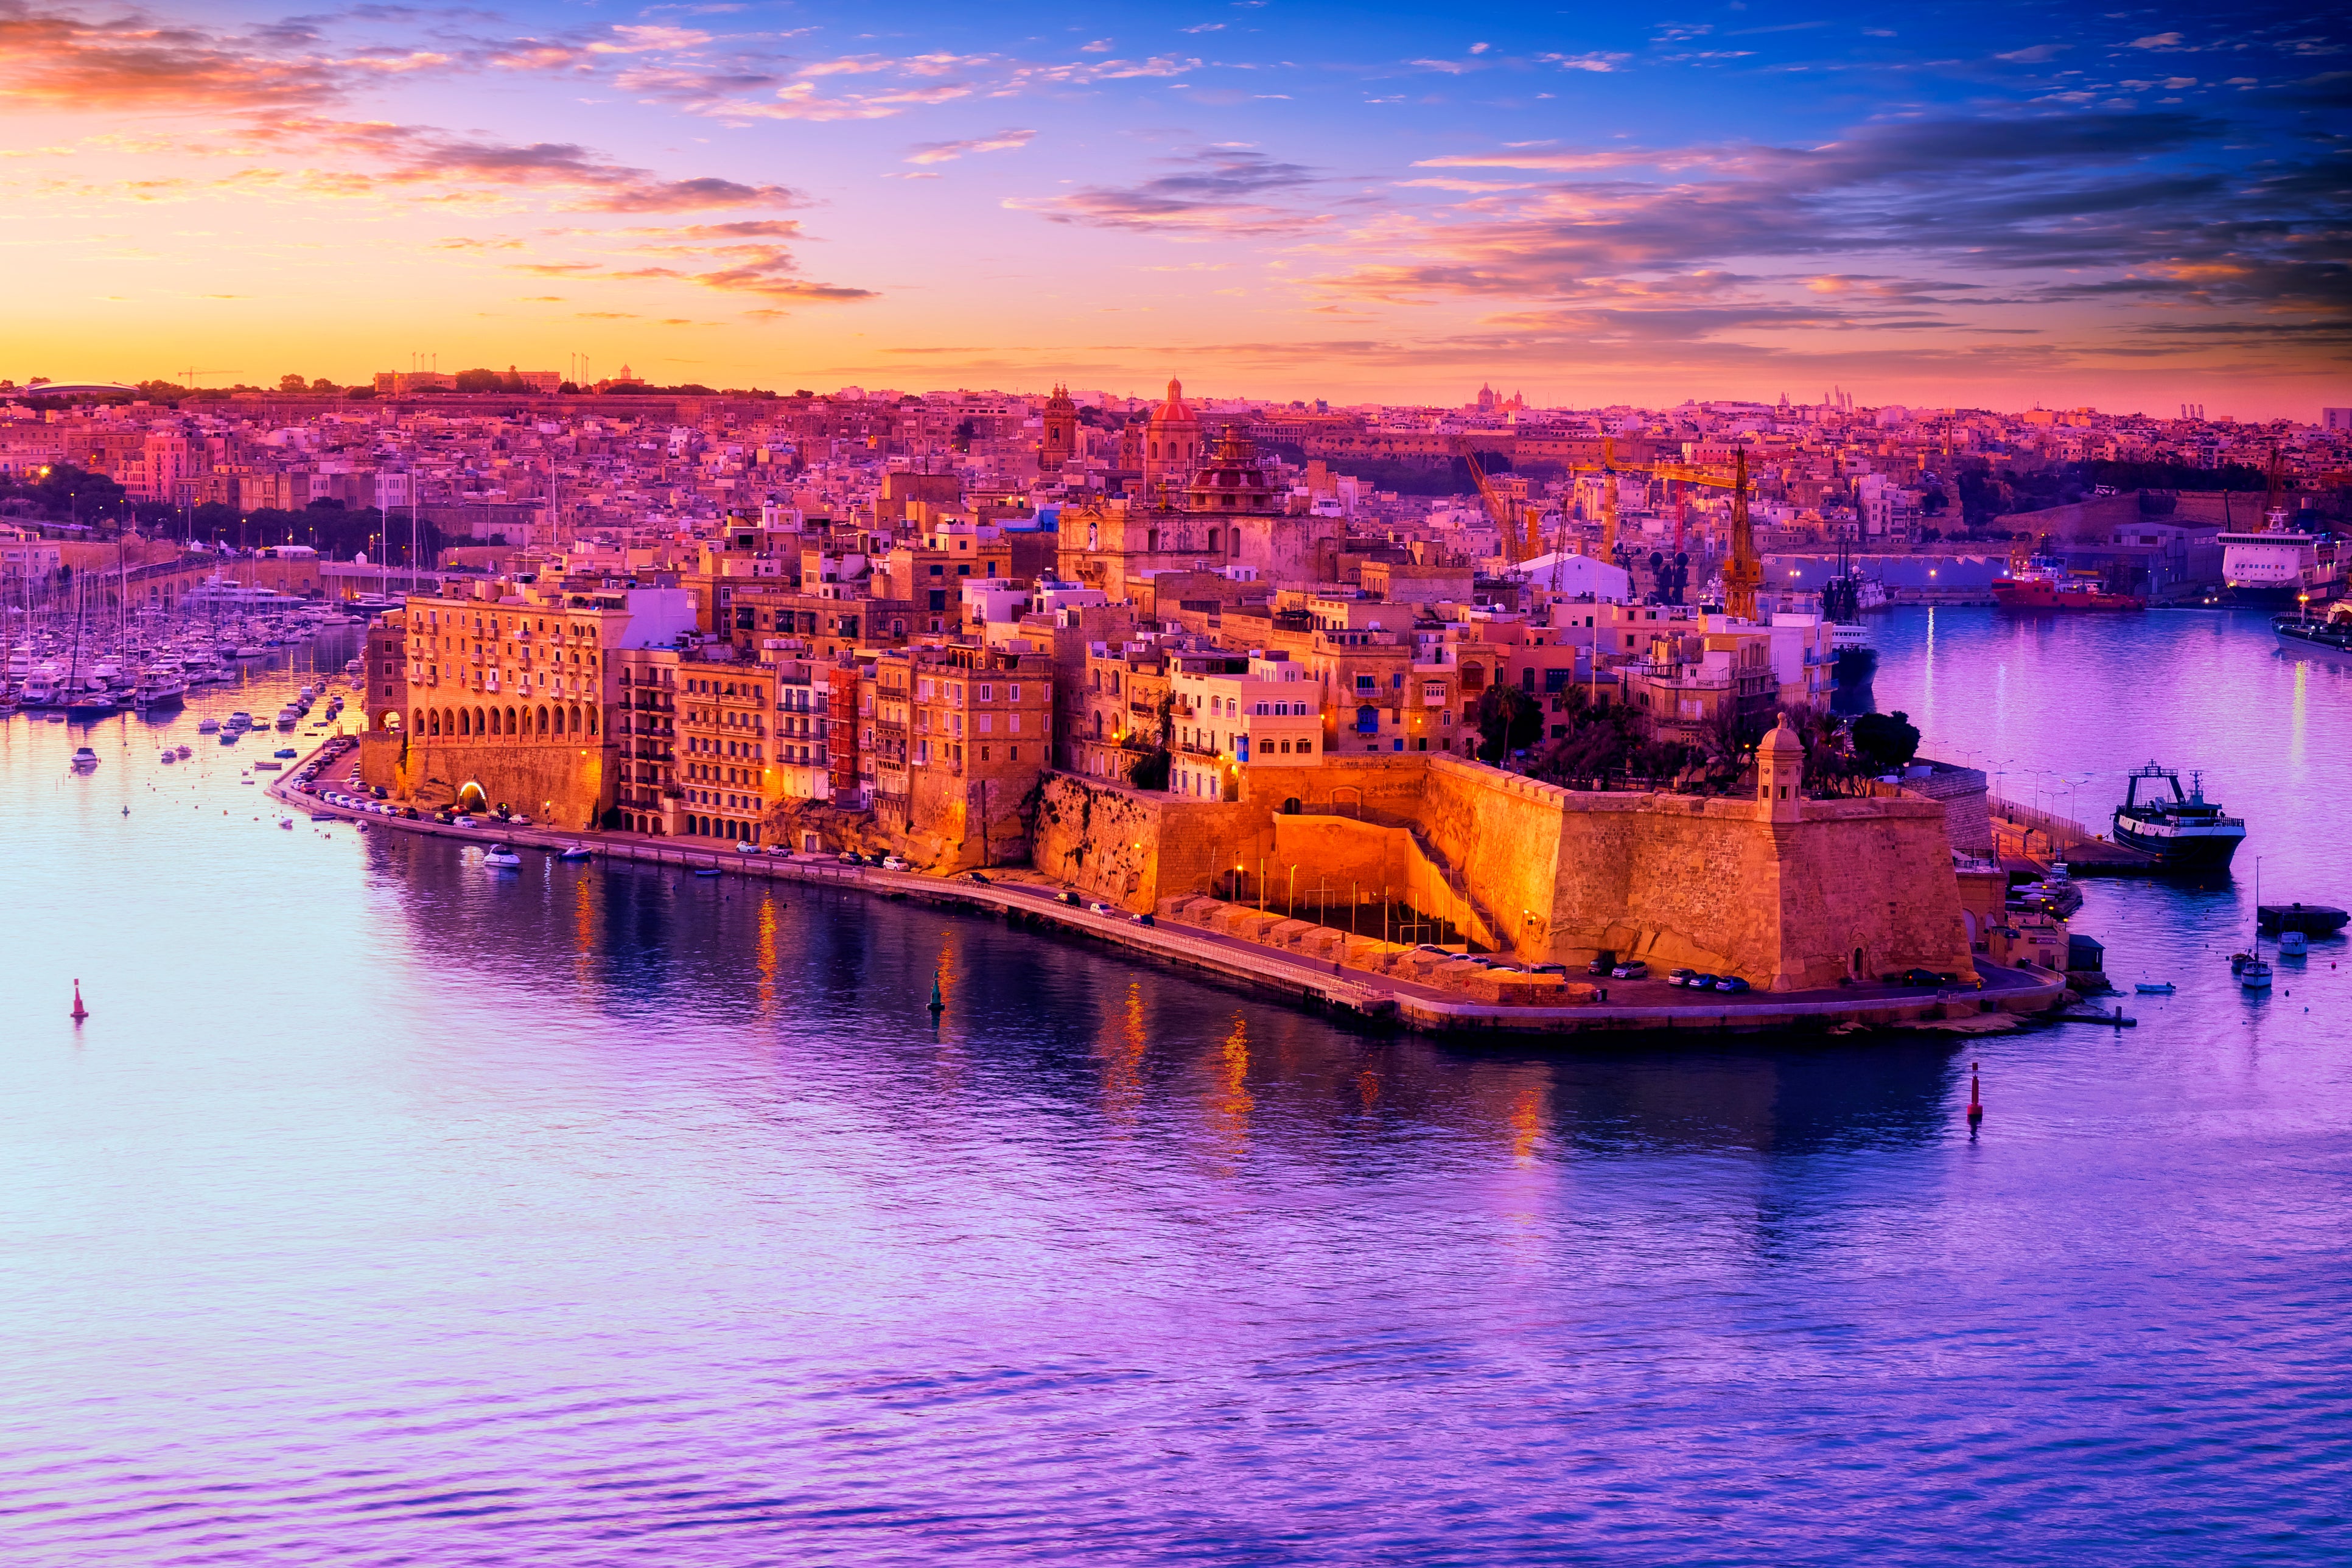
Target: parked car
x=1702, y=981
x=517, y=820
x=747, y=849
x=1099, y=908
x=894, y=864
x=851, y=857
x=1632, y=969
x=1733, y=983
x=409, y=812
x=1603, y=962
x=1546, y=969
x=463, y=822
x=1681, y=976
x=780, y=852
x=1919, y=977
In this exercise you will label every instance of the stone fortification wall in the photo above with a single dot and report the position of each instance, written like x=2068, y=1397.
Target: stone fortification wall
x=1552, y=875
x=1872, y=875
x=565, y=783
x=1133, y=848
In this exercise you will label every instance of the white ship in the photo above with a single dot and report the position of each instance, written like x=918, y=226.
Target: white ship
x=2268, y=564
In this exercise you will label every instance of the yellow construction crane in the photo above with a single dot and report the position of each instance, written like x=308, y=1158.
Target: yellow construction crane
x=1745, y=573
x=1500, y=508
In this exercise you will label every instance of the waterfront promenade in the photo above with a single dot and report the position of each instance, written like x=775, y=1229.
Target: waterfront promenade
x=1025, y=896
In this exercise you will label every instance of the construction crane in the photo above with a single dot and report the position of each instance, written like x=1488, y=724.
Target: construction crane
x=1500, y=508
x=1745, y=573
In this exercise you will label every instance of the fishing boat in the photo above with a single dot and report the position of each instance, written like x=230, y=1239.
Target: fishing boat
x=2184, y=831
x=2294, y=944
x=2156, y=988
x=2330, y=634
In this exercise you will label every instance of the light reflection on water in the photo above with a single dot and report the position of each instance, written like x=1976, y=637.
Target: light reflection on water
x=389, y=1208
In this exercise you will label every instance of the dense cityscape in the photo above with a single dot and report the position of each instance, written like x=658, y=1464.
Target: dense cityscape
x=1247, y=784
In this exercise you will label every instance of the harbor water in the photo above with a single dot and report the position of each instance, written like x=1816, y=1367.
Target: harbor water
x=390, y=1208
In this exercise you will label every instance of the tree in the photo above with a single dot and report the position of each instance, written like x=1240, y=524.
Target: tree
x=292, y=383
x=1509, y=719
x=481, y=380
x=323, y=384
x=1151, y=770
x=1887, y=741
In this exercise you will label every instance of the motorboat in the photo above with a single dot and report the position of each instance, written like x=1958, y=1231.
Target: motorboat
x=240, y=719
x=2156, y=988
x=284, y=752
x=208, y=726
x=230, y=737
x=84, y=758
x=288, y=716
x=576, y=852
x=502, y=857
x=170, y=756
x=2294, y=944
x=266, y=765
x=185, y=752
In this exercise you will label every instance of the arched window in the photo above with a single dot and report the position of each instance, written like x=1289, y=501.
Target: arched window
x=542, y=718
x=591, y=720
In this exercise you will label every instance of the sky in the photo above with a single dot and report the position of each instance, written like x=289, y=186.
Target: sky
x=1986, y=205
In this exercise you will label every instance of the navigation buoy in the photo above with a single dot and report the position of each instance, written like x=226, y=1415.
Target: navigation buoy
x=80, y=1012
x=1976, y=1103
x=939, y=1003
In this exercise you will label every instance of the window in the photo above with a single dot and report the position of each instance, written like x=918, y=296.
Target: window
x=1012, y=692
x=1367, y=683
x=988, y=693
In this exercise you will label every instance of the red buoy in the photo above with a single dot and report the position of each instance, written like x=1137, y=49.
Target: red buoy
x=1975, y=1104
x=80, y=1012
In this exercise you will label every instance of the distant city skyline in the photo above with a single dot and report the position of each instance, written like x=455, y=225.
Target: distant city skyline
x=1991, y=207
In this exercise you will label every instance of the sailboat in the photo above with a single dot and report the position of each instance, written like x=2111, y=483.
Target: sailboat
x=2254, y=975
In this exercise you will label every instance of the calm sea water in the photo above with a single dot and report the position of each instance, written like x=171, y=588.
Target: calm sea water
x=388, y=1209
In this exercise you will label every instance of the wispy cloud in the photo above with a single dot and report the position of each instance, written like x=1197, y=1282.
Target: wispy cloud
x=947, y=152
x=1216, y=191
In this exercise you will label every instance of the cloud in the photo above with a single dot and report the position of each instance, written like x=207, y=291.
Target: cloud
x=947, y=152
x=2158, y=41
x=2095, y=205
x=2036, y=55
x=1221, y=190
x=1597, y=62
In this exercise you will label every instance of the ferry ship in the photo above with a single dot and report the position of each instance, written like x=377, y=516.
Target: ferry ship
x=2269, y=565
x=2184, y=831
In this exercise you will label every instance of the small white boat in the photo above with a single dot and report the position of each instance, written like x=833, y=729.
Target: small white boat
x=2156, y=988
x=575, y=852
x=2254, y=975
x=84, y=758
x=500, y=857
x=171, y=756
x=2294, y=944
x=186, y=751
x=208, y=726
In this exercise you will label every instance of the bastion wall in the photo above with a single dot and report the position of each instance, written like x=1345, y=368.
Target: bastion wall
x=1850, y=887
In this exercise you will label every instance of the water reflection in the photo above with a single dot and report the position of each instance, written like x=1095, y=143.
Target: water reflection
x=390, y=1209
